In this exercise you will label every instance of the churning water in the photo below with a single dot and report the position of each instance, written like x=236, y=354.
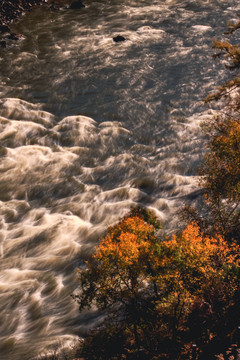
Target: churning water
x=90, y=127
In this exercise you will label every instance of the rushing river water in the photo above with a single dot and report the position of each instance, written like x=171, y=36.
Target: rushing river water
x=90, y=127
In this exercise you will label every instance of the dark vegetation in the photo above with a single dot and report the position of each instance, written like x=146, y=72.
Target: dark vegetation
x=179, y=297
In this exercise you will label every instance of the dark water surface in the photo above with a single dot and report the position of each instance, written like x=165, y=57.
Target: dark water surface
x=90, y=127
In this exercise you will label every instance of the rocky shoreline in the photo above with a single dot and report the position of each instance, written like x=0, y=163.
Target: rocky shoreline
x=12, y=10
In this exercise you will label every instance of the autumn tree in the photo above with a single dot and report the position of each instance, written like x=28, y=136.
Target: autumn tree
x=121, y=274
x=221, y=176
x=220, y=173
x=197, y=266
x=150, y=286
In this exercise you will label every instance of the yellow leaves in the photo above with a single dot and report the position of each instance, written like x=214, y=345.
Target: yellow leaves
x=222, y=164
x=126, y=247
x=183, y=262
x=123, y=262
x=232, y=51
x=127, y=242
x=197, y=259
x=133, y=268
x=196, y=246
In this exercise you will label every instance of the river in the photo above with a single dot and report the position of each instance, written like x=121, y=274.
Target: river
x=90, y=127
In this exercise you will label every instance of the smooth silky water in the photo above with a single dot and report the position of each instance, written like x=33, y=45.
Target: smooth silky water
x=89, y=128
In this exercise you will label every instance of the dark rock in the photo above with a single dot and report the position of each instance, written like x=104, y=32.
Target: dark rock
x=3, y=44
x=77, y=5
x=53, y=6
x=119, y=38
x=4, y=28
x=15, y=36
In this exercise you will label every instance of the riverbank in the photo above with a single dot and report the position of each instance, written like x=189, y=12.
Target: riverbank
x=11, y=10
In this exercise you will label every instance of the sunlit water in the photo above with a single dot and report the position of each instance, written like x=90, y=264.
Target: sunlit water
x=89, y=128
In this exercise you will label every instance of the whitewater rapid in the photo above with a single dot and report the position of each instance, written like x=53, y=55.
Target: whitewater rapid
x=89, y=128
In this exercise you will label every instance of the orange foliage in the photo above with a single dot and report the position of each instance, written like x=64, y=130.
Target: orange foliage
x=123, y=263
x=232, y=51
x=199, y=259
x=130, y=258
x=126, y=243
x=153, y=284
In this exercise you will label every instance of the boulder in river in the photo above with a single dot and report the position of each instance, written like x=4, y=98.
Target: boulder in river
x=15, y=36
x=119, y=38
x=4, y=28
x=77, y=5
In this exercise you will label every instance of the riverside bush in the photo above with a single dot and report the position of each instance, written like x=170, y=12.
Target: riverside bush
x=152, y=289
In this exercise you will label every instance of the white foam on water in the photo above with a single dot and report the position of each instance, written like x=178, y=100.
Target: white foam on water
x=201, y=28
x=18, y=109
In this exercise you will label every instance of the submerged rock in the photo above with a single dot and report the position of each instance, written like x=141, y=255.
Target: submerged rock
x=3, y=44
x=4, y=28
x=15, y=36
x=77, y=5
x=119, y=38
